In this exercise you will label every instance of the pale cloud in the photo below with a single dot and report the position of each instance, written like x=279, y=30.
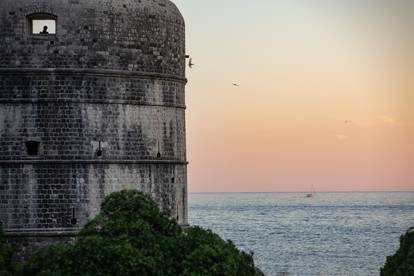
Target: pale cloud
x=365, y=123
x=384, y=120
x=390, y=121
x=341, y=137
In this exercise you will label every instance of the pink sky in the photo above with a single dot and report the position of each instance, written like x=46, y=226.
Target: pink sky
x=326, y=95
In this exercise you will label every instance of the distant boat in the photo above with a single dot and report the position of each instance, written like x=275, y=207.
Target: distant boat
x=311, y=193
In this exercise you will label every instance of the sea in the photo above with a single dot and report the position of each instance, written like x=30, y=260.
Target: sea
x=327, y=234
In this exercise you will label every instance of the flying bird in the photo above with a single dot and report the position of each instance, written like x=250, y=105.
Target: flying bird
x=190, y=63
x=235, y=84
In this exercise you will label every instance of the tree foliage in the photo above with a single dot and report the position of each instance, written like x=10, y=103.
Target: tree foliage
x=6, y=253
x=402, y=262
x=131, y=236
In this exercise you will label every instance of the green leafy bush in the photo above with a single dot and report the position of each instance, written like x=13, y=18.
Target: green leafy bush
x=6, y=253
x=132, y=237
x=402, y=262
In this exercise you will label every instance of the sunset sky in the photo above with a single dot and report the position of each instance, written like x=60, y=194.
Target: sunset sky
x=325, y=95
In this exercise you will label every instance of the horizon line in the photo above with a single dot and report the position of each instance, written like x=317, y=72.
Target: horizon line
x=301, y=192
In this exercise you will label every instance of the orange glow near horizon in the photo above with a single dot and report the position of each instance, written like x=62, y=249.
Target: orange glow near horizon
x=325, y=95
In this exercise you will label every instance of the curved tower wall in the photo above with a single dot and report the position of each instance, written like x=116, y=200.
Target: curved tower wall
x=102, y=101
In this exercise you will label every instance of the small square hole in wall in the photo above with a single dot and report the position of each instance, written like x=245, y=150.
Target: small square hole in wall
x=32, y=148
x=43, y=26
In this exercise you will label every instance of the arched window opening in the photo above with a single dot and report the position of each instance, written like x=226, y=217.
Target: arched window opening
x=42, y=24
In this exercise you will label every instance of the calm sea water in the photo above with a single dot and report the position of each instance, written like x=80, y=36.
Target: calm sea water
x=329, y=234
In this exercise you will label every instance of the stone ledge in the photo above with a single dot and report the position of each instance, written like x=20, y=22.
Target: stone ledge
x=75, y=101
x=57, y=232
x=74, y=161
x=93, y=72
x=33, y=233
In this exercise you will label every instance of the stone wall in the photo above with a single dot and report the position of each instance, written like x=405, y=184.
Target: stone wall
x=47, y=196
x=140, y=36
x=71, y=128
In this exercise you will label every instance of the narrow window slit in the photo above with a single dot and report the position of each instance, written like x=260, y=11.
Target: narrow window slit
x=99, y=152
x=158, y=153
x=73, y=220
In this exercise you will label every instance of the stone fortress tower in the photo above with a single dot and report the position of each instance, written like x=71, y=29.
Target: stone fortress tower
x=92, y=104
